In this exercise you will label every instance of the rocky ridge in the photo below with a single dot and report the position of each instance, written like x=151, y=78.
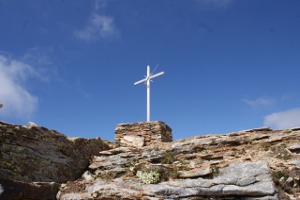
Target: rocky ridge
x=251, y=164
x=257, y=164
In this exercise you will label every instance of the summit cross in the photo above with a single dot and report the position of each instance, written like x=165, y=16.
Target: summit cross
x=147, y=80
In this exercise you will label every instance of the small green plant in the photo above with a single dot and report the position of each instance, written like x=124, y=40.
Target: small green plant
x=168, y=158
x=215, y=171
x=283, y=145
x=130, y=167
x=185, y=162
x=284, y=157
x=174, y=173
x=106, y=176
x=279, y=174
x=149, y=176
x=287, y=131
x=266, y=146
x=183, y=166
x=287, y=157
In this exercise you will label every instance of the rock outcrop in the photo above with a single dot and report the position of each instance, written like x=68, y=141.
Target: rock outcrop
x=256, y=164
x=251, y=164
x=35, y=154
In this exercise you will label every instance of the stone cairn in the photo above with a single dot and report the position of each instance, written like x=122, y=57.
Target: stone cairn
x=142, y=133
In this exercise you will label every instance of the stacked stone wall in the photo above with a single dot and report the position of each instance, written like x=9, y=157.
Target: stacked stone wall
x=143, y=133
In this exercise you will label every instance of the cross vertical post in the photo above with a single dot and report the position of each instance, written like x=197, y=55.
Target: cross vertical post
x=147, y=80
x=148, y=94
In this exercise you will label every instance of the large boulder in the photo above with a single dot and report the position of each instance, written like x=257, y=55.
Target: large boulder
x=36, y=154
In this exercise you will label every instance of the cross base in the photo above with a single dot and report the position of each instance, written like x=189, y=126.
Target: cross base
x=142, y=133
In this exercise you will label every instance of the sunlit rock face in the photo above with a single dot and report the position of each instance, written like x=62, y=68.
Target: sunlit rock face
x=251, y=164
x=36, y=154
x=256, y=164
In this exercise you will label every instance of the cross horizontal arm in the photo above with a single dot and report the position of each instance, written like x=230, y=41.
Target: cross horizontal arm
x=157, y=75
x=141, y=81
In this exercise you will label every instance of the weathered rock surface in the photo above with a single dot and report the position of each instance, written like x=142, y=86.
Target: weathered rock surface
x=35, y=154
x=256, y=164
x=248, y=179
x=252, y=164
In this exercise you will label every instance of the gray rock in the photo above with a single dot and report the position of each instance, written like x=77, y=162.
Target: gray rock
x=295, y=162
x=195, y=173
x=242, y=179
x=294, y=148
x=258, y=129
x=295, y=129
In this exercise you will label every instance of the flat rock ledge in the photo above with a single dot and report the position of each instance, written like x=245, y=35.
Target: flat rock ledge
x=240, y=180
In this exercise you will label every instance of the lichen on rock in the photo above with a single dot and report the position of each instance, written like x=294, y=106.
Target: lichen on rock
x=150, y=176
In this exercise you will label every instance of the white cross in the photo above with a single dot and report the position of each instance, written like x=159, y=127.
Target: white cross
x=147, y=80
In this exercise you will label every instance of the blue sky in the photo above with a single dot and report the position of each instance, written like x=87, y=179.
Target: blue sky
x=229, y=64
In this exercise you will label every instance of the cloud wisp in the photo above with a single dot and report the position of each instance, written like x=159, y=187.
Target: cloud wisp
x=259, y=102
x=17, y=99
x=283, y=120
x=99, y=25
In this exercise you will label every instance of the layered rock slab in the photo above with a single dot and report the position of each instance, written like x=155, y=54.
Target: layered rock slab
x=240, y=179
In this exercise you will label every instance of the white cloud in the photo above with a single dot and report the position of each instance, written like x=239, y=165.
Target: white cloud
x=261, y=101
x=99, y=25
x=17, y=100
x=38, y=56
x=100, y=5
x=283, y=120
